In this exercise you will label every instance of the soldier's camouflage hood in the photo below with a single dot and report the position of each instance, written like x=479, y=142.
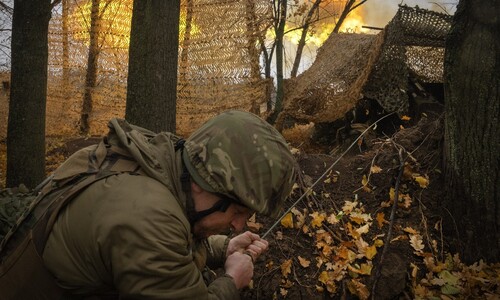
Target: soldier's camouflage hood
x=154, y=152
x=241, y=156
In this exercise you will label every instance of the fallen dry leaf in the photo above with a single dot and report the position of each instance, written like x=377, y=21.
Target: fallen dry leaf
x=422, y=181
x=317, y=219
x=381, y=219
x=410, y=230
x=304, y=262
x=286, y=267
x=287, y=221
x=417, y=243
x=253, y=225
x=375, y=169
x=371, y=251
x=349, y=206
x=301, y=217
x=358, y=289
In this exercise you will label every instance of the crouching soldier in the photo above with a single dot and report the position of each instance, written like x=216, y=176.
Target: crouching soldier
x=140, y=215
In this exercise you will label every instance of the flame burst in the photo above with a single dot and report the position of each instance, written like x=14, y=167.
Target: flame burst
x=354, y=22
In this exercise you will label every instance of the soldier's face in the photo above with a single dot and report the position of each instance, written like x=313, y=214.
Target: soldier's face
x=233, y=219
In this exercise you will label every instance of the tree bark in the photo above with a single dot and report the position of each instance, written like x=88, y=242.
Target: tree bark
x=152, y=73
x=472, y=128
x=280, y=32
x=91, y=75
x=26, y=123
x=253, y=53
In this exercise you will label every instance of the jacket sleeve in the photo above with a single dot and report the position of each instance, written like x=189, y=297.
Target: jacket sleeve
x=151, y=257
x=216, y=254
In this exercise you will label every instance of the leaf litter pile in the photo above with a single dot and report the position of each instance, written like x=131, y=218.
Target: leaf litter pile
x=372, y=228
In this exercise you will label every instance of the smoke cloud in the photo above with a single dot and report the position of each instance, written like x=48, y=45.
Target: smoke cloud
x=378, y=13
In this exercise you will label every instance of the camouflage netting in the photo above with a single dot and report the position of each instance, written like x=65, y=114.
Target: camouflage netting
x=218, y=62
x=349, y=67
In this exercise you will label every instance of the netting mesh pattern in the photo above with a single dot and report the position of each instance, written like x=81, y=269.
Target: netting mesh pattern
x=332, y=85
x=218, y=62
x=350, y=67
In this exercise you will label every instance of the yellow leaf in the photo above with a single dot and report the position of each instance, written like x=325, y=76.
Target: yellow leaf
x=317, y=219
x=360, y=218
x=332, y=219
x=295, y=151
x=378, y=243
x=283, y=292
x=370, y=252
x=414, y=270
x=380, y=219
x=269, y=265
x=364, y=181
x=407, y=201
x=392, y=194
x=253, y=225
x=405, y=118
x=410, y=230
x=326, y=278
x=286, y=283
x=417, y=243
x=301, y=218
x=304, y=262
x=323, y=277
x=422, y=181
x=358, y=289
x=363, y=229
x=364, y=269
x=349, y=206
x=375, y=169
x=286, y=267
x=287, y=221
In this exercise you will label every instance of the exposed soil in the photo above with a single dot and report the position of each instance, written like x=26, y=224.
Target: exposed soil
x=344, y=183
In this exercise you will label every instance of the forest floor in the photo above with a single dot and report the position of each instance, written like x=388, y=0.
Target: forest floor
x=347, y=238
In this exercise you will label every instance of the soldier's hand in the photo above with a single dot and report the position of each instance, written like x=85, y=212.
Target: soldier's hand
x=240, y=267
x=249, y=243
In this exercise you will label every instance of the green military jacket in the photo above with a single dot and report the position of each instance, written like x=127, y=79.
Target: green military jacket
x=129, y=233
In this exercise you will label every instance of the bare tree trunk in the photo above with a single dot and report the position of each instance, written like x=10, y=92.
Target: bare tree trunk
x=153, y=59
x=267, y=71
x=280, y=32
x=91, y=75
x=302, y=41
x=26, y=123
x=253, y=54
x=472, y=128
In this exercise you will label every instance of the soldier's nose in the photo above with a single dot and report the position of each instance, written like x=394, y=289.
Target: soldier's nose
x=238, y=224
